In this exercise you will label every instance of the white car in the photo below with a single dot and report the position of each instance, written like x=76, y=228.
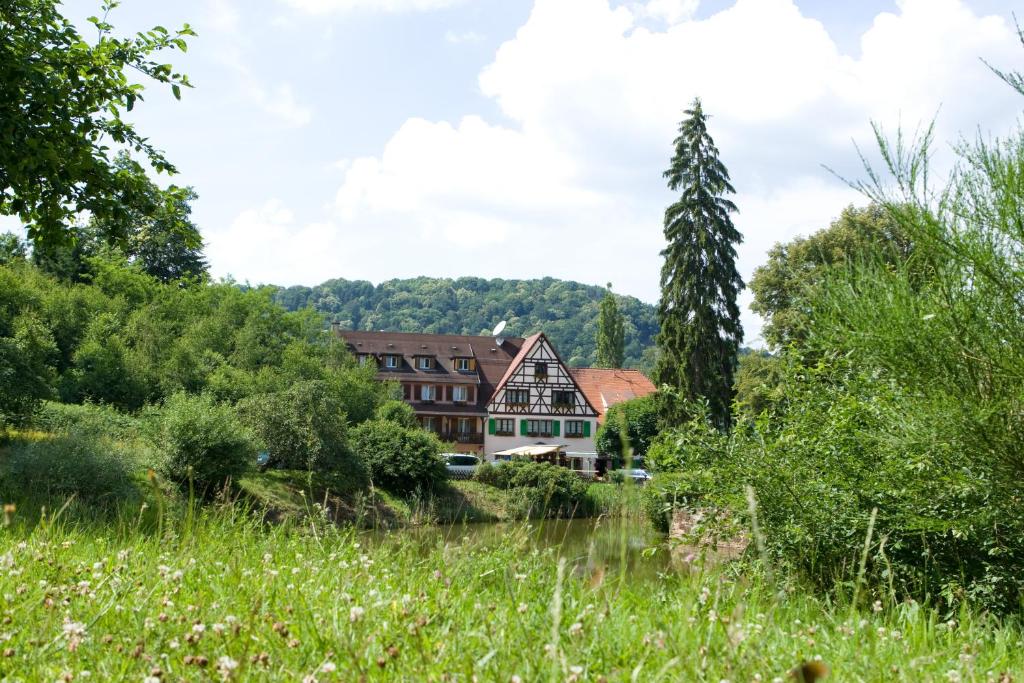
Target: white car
x=638, y=476
x=460, y=465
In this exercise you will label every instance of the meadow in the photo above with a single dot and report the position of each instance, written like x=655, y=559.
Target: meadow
x=216, y=594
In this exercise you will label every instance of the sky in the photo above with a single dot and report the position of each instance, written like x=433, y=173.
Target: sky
x=376, y=139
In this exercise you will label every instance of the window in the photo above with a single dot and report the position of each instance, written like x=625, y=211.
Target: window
x=424, y=363
x=519, y=397
x=462, y=364
x=465, y=425
x=538, y=428
x=430, y=423
x=574, y=428
x=562, y=398
x=362, y=359
x=504, y=427
x=391, y=361
x=428, y=392
x=460, y=394
x=540, y=372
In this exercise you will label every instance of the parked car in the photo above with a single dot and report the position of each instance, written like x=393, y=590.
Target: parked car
x=460, y=465
x=635, y=475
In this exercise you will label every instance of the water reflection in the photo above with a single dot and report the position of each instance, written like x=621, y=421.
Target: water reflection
x=611, y=544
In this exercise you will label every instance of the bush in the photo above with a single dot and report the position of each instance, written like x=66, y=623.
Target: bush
x=201, y=442
x=540, y=489
x=399, y=459
x=63, y=418
x=399, y=412
x=81, y=463
x=303, y=428
x=670, y=491
x=640, y=416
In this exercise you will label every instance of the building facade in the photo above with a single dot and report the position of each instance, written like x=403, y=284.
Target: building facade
x=538, y=402
x=487, y=395
x=447, y=379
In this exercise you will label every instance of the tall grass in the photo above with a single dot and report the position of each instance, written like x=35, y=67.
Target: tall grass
x=219, y=595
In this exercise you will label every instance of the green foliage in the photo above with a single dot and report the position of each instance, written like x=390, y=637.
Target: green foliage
x=694, y=444
x=399, y=459
x=786, y=285
x=758, y=380
x=567, y=312
x=670, y=491
x=700, y=331
x=101, y=420
x=399, y=412
x=537, y=489
x=640, y=418
x=61, y=106
x=26, y=353
x=201, y=443
x=611, y=350
x=12, y=248
x=303, y=427
x=81, y=463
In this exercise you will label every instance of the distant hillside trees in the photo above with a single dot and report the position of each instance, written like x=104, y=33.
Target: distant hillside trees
x=566, y=311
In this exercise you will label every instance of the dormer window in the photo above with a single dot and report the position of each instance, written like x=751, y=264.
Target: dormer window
x=391, y=362
x=540, y=372
x=424, y=363
x=463, y=364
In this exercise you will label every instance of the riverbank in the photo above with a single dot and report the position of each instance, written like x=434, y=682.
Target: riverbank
x=219, y=595
x=283, y=495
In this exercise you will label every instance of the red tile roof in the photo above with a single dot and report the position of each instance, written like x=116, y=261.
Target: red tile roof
x=605, y=387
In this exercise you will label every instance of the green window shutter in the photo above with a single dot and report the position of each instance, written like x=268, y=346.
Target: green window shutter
x=490, y=426
x=523, y=428
x=586, y=428
x=556, y=428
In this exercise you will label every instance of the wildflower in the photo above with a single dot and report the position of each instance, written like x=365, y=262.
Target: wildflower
x=522, y=607
x=226, y=666
x=953, y=676
x=328, y=667
x=576, y=629
x=150, y=679
x=877, y=607
x=198, y=628
x=218, y=629
x=355, y=614
x=75, y=633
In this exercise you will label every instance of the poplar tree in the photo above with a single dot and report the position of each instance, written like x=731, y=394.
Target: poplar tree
x=700, y=331
x=611, y=333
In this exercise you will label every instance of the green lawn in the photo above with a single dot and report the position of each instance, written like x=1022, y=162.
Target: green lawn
x=221, y=596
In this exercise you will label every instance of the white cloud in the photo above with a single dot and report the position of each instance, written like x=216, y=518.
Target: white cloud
x=571, y=186
x=328, y=6
x=671, y=11
x=463, y=37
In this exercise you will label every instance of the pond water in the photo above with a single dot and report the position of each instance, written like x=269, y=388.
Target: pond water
x=588, y=545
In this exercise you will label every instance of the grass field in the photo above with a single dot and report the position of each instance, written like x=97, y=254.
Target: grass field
x=218, y=596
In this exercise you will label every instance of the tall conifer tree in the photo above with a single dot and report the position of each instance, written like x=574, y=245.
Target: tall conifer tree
x=611, y=333
x=700, y=322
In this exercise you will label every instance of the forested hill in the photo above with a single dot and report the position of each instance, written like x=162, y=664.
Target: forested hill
x=565, y=311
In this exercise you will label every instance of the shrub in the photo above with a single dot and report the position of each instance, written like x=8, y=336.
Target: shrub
x=63, y=418
x=399, y=412
x=670, y=491
x=201, y=441
x=399, y=459
x=303, y=428
x=640, y=417
x=81, y=463
x=542, y=489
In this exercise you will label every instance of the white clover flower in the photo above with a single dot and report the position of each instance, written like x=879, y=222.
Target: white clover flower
x=225, y=665
x=198, y=628
x=328, y=667
x=218, y=629
x=355, y=614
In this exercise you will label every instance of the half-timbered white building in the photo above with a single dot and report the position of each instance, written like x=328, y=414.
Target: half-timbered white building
x=538, y=402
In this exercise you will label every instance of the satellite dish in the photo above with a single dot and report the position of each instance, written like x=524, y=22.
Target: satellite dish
x=499, y=328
